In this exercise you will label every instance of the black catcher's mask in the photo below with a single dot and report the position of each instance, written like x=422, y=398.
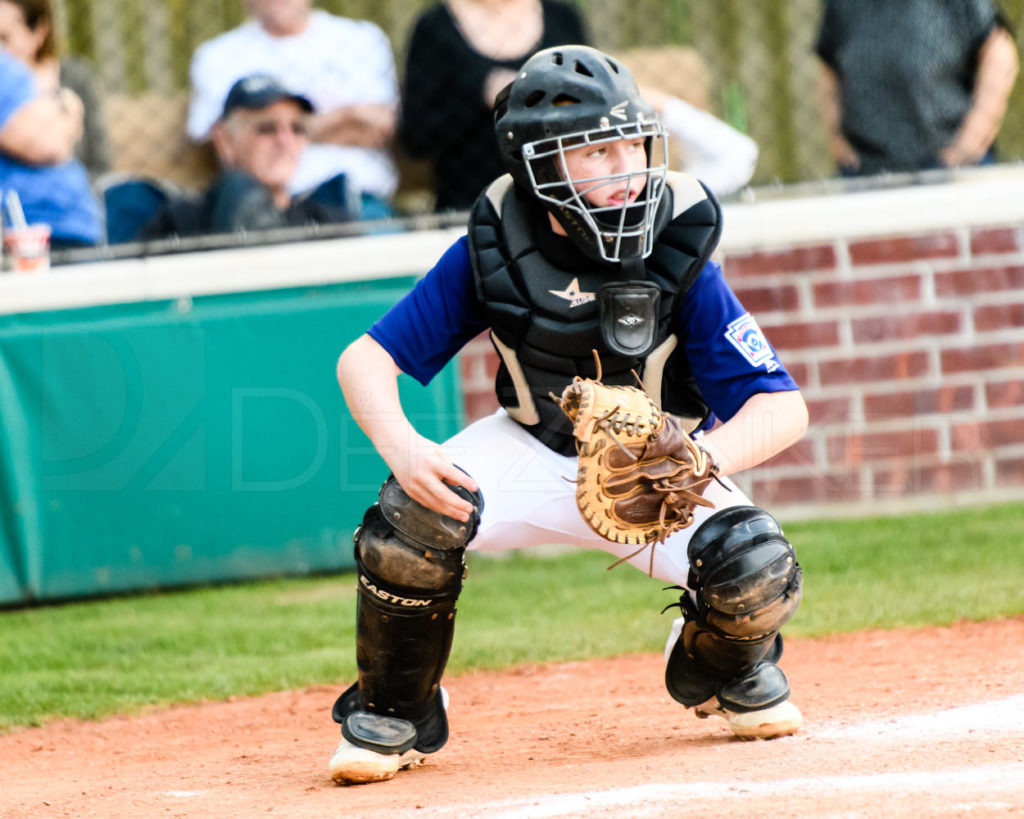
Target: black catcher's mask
x=572, y=96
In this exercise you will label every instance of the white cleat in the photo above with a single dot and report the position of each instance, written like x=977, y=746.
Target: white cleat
x=780, y=720
x=352, y=765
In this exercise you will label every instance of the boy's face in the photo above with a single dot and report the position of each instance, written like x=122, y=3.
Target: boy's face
x=624, y=159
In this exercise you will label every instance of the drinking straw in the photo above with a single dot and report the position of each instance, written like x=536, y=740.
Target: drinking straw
x=15, y=211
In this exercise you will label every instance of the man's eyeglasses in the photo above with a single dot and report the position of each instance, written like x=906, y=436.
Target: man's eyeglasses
x=270, y=127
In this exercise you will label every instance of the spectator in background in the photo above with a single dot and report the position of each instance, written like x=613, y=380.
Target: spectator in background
x=344, y=67
x=38, y=133
x=914, y=84
x=461, y=53
x=260, y=138
x=716, y=153
x=27, y=32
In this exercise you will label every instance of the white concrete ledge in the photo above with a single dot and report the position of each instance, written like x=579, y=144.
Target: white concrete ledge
x=980, y=197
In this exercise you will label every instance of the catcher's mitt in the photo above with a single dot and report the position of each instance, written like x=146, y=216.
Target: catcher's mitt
x=640, y=474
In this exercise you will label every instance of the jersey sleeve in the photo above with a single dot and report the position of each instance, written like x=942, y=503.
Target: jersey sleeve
x=729, y=357
x=16, y=87
x=435, y=319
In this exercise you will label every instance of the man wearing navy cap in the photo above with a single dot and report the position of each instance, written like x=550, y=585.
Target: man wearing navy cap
x=260, y=137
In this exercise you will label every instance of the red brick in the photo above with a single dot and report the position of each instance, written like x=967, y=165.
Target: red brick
x=802, y=334
x=882, y=328
x=979, y=280
x=1005, y=394
x=800, y=454
x=791, y=260
x=996, y=240
x=903, y=479
x=479, y=405
x=919, y=402
x=868, y=291
x=999, y=316
x=969, y=437
x=904, y=249
x=1010, y=472
x=766, y=299
x=874, y=368
x=478, y=363
x=828, y=410
x=843, y=486
x=878, y=446
x=985, y=357
x=801, y=373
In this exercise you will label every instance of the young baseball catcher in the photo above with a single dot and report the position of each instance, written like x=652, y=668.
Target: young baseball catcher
x=626, y=365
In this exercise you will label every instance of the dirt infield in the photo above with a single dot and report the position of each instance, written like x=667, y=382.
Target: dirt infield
x=897, y=723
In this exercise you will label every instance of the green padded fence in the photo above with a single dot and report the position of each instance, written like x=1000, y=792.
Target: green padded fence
x=181, y=442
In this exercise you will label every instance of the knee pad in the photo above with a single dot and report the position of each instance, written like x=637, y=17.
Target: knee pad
x=746, y=584
x=410, y=563
x=744, y=573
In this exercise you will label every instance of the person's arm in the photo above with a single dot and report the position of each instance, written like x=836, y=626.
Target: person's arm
x=716, y=153
x=369, y=125
x=368, y=377
x=44, y=130
x=766, y=424
x=368, y=118
x=830, y=101
x=997, y=69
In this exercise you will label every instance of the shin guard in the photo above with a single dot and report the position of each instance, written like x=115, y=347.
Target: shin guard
x=746, y=584
x=410, y=563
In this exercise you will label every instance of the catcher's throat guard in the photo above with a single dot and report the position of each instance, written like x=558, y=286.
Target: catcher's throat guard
x=629, y=316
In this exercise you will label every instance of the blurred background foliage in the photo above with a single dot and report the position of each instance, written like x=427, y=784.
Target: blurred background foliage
x=760, y=70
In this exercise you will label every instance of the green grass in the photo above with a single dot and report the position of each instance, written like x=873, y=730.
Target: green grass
x=95, y=658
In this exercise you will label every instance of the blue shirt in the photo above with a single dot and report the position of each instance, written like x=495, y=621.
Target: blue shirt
x=57, y=195
x=729, y=356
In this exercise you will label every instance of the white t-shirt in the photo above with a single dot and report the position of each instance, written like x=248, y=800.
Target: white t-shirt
x=335, y=62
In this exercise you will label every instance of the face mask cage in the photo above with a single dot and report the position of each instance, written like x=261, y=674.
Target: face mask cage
x=618, y=230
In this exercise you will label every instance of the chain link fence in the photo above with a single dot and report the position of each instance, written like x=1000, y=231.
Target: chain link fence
x=749, y=62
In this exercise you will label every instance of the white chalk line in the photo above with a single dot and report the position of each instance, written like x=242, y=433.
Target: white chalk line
x=996, y=717
x=1001, y=717
x=647, y=799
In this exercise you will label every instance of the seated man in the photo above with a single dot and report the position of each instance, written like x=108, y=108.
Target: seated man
x=259, y=138
x=344, y=66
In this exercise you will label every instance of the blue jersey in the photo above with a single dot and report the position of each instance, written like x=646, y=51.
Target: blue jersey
x=729, y=357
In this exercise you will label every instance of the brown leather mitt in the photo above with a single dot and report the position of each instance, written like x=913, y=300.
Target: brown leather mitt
x=640, y=476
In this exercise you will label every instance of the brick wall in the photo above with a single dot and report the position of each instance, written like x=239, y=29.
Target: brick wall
x=910, y=352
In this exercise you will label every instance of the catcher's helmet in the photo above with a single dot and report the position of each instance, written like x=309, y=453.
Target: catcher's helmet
x=568, y=96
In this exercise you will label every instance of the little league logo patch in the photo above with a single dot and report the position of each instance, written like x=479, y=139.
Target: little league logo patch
x=746, y=336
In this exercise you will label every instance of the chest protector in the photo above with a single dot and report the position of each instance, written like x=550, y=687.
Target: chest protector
x=546, y=321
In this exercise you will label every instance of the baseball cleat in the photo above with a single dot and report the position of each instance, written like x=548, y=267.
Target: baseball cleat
x=780, y=720
x=352, y=765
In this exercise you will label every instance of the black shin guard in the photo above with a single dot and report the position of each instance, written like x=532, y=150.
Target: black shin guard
x=410, y=563
x=747, y=584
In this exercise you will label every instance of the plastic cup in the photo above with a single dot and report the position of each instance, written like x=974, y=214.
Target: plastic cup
x=28, y=248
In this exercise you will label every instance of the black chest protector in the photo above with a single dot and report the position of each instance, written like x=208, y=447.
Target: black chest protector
x=550, y=307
